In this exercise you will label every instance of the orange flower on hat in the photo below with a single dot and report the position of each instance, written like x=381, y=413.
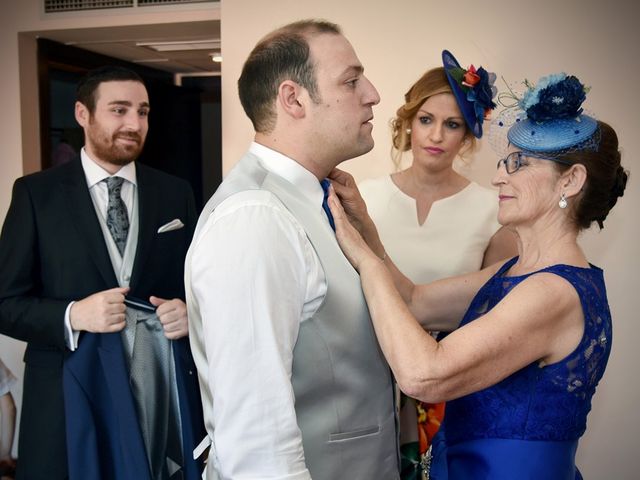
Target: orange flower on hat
x=470, y=77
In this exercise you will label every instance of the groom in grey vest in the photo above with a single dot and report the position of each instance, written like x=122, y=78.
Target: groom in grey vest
x=292, y=379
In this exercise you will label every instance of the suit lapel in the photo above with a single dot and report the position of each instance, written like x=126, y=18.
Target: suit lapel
x=148, y=197
x=86, y=221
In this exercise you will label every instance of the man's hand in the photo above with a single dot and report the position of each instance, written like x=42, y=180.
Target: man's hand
x=102, y=312
x=173, y=317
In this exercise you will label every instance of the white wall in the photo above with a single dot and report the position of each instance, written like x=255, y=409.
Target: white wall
x=28, y=16
x=397, y=41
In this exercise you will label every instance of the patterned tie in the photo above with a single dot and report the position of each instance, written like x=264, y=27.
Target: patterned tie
x=117, y=217
x=325, y=205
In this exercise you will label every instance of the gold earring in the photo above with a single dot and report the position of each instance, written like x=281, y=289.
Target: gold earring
x=408, y=131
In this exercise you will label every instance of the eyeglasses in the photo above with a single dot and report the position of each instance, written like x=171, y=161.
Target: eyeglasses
x=515, y=160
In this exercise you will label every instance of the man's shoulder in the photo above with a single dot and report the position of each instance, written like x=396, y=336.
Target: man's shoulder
x=45, y=180
x=248, y=200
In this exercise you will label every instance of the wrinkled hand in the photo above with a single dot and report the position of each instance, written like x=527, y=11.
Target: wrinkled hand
x=102, y=312
x=350, y=198
x=351, y=242
x=356, y=209
x=173, y=317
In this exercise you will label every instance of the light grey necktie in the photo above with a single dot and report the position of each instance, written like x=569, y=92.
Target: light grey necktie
x=117, y=216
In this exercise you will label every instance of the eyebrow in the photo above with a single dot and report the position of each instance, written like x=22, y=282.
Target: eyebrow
x=448, y=118
x=127, y=103
x=350, y=70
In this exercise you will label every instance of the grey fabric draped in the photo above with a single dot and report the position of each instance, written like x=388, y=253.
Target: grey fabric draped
x=152, y=380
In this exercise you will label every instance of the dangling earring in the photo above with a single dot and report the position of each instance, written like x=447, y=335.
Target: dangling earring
x=563, y=201
x=408, y=131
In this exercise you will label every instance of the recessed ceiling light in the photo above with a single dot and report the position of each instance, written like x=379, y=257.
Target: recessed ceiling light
x=216, y=57
x=181, y=45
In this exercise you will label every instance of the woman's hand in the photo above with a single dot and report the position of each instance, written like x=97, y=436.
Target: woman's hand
x=351, y=242
x=355, y=209
x=350, y=198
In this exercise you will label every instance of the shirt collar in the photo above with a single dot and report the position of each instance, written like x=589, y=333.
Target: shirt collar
x=290, y=170
x=94, y=173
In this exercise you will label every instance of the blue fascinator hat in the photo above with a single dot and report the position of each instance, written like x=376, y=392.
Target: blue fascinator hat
x=553, y=122
x=473, y=89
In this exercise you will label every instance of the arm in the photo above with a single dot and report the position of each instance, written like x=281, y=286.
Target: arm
x=424, y=301
x=172, y=313
x=7, y=425
x=539, y=320
x=355, y=210
x=248, y=276
x=24, y=313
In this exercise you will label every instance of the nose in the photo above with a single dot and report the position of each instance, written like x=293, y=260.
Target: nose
x=435, y=132
x=133, y=122
x=371, y=96
x=501, y=175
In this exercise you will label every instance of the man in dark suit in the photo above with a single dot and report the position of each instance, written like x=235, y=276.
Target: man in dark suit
x=109, y=385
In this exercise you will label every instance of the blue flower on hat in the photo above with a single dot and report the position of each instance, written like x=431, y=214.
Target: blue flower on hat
x=477, y=85
x=554, y=97
x=554, y=123
x=473, y=89
x=481, y=94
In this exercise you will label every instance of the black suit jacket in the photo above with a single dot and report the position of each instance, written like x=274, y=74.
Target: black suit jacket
x=52, y=251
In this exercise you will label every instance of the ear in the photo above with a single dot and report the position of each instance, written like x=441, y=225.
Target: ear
x=573, y=180
x=290, y=99
x=82, y=114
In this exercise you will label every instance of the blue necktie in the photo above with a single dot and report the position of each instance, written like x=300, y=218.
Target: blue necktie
x=325, y=206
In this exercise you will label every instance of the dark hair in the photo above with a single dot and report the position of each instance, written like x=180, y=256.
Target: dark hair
x=281, y=55
x=432, y=82
x=606, y=178
x=87, y=86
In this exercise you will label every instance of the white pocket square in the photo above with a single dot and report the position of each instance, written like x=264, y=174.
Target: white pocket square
x=174, y=224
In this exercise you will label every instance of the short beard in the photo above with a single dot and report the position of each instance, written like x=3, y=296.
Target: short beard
x=113, y=153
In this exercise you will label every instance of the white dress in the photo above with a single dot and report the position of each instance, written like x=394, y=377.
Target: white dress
x=452, y=239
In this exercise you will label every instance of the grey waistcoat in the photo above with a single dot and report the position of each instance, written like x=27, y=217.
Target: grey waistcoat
x=343, y=387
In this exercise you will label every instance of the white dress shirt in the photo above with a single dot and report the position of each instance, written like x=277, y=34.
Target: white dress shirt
x=256, y=277
x=99, y=192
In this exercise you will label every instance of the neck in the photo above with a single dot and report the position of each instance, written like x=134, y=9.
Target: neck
x=112, y=168
x=545, y=244
x=294, y=151
x=417, y=181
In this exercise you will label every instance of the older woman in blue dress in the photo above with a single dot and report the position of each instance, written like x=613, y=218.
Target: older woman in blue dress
x=520, y=371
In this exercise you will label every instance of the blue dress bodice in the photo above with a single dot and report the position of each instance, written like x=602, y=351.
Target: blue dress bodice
x=538, y=412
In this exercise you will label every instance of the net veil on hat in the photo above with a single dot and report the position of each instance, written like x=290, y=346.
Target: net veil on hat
x=548, y=119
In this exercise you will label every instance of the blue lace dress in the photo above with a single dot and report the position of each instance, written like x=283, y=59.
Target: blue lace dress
x=527, y=426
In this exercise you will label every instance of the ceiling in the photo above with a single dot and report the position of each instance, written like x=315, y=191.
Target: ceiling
x=195, y=42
